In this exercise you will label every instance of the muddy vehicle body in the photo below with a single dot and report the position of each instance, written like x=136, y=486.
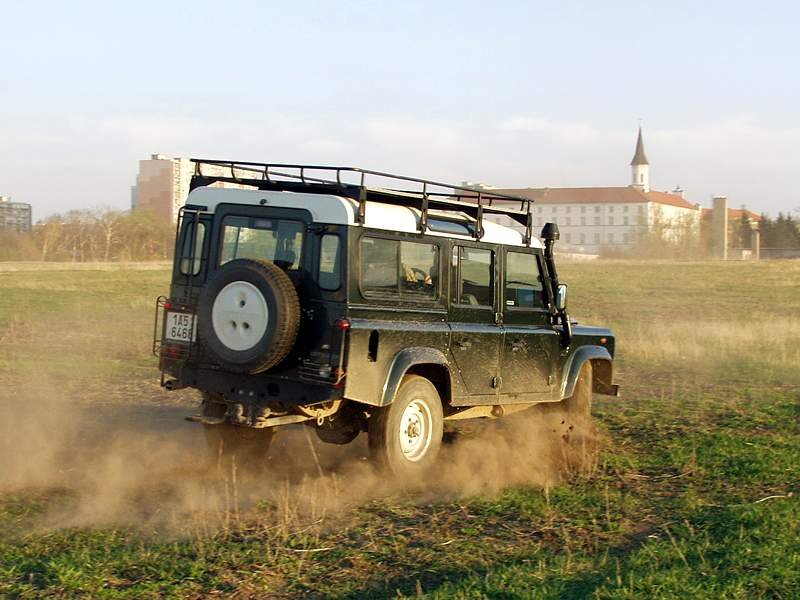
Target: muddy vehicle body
x=313, y=295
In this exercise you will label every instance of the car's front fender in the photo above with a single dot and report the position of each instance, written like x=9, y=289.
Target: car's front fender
x=601, y=381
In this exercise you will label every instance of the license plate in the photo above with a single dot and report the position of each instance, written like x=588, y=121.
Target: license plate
x=180, y=327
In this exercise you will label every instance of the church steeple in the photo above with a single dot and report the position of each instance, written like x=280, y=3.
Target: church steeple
x=640, y=168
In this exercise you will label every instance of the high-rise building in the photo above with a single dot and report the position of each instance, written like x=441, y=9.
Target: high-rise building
x=162, y=184
x=15, y=216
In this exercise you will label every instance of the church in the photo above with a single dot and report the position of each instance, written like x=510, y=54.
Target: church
x=595, y=218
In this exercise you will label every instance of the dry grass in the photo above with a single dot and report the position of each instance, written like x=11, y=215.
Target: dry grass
x=103, y=494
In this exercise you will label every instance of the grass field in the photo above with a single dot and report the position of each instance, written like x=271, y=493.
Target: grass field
x=695, y=492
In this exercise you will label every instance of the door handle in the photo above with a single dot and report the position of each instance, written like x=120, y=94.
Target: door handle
x=464, y=344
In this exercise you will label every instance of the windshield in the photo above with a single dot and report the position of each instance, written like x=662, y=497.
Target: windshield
x=277, y=240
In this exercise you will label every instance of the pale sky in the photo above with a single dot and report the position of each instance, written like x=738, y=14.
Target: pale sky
x=513, y=94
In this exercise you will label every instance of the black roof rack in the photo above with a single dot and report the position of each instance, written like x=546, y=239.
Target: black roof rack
x=360, y=184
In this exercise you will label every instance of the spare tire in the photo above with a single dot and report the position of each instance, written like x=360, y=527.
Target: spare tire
x=248, y=315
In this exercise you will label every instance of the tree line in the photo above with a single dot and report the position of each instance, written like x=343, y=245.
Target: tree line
x=107, y=235
x=780, y=232
x=691, y=238
x=92, y=235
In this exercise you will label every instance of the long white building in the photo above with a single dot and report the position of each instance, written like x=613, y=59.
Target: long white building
x=593, y=218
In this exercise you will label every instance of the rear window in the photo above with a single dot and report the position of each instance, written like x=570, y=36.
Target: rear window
x=277, y=240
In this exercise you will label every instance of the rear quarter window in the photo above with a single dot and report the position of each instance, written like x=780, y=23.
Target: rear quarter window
x=191, y=257
x=329, y=276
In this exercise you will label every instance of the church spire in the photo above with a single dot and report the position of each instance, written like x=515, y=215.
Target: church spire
x=640, y=168
x=639, y=157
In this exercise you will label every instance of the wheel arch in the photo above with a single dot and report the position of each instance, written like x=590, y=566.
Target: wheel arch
x=429, y=363
x=602, y=370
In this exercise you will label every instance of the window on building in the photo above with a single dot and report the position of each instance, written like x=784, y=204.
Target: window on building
x=569, y=220
x=611, y=208
x=641, y=209
x=641, y=177
x=610, y=238
x=625, y=208
x=583, y=209
x=596, y=238
x=625, y=220
x=569, y=209
x=597, y=220
x=610, y=220
x=626, y=237
x=568, y=237
x=472, y=276
x=523, y=281
x=553, y=210
x=539, y=209
x=597, y=209
x=583, y=238
x=583, y=220
x=394, y=269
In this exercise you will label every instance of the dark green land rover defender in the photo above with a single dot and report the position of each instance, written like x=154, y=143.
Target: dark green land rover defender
x=353, y=300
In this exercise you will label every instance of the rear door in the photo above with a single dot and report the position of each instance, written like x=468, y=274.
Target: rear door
x=475, y=335
x=530, y=344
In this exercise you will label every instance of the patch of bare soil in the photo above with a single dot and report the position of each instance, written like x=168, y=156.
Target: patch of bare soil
x=123, y=454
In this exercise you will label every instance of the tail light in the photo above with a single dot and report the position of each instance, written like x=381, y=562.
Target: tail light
x=343, y=324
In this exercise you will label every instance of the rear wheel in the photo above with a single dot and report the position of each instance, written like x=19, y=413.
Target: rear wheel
x=244, y=447
x=405, y=437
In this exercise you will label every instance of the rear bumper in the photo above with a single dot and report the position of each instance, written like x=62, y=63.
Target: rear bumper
x=261, y=390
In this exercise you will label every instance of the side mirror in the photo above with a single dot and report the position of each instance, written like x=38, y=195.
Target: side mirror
x=561, y=296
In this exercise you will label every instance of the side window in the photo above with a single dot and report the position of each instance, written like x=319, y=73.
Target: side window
x=329, y=277
x=408, y=270
x=379, y=266
x=523, y=281
x=187, y=268
x=472, y=276
x=420, y=270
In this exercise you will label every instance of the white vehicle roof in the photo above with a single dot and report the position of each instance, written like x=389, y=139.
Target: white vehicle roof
x=338, y=210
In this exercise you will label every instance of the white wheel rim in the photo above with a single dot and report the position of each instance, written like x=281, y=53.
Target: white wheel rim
x=415, y=430
x=239, y=315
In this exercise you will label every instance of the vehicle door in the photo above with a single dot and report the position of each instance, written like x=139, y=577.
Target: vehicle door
x=530, y=344
x=475, y=335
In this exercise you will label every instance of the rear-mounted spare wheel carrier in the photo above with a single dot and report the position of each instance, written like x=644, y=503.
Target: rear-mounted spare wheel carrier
x=248, y=315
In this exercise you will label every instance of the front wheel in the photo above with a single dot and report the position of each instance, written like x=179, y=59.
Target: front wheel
x=406, y=436
x=571, y=422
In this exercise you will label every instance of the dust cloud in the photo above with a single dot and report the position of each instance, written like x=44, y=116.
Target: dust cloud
x=102, y=464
